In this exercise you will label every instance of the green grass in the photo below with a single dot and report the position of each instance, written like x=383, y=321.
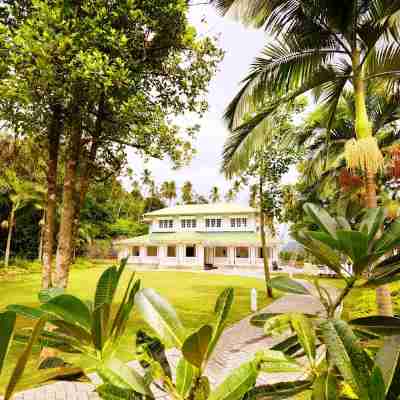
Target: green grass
x=192, y=294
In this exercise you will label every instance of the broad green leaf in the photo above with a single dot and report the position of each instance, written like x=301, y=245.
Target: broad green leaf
x=324, y=238
x=321, y=218
x=325, y=387
x=378, y=324
x=305, y=334
x=388, y=359
x=260, y=319
x=278, y=391
x=273, y=362
x=385, y=272
x=287, y=285
x=161, y=317
x=353, y=243
x=377, y=385
x=23, y=360
x=105, y=290
x=372, y=221
x=341, y=359
x=324, y=253
x=195, y=346
x=45, y=295
x=72, y=330
x=117, y=373
x=26, y=312
x=360, y=360
x=111, y=392
x=237, y=384
x=221, y=311
x=289, y=346
x=71, y=309
x=185, y=376
x=7, y=326
x=343, y=223
x=277, y=325
x=389, y=239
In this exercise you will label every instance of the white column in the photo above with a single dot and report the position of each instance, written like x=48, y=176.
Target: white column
x=200, y=255
x=231, y=255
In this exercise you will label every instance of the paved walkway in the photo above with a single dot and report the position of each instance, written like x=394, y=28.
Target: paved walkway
x=237, y=345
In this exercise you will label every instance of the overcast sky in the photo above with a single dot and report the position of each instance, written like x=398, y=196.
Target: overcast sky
x=241, y=45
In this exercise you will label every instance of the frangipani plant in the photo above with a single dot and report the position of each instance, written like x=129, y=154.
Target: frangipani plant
x=355, y=359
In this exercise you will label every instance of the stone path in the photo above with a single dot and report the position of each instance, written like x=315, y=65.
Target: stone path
x=237, y=345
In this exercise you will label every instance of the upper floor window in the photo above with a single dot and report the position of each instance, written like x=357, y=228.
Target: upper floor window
x=238, y=222
x=166, y=223
x=188, y=223
x=213, y=222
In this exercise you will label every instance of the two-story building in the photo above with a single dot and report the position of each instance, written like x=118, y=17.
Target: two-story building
x=197, y=236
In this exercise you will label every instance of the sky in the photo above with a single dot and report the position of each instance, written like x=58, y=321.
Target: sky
x=241, y=45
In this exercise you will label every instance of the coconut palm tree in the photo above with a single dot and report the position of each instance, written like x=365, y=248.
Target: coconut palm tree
x=187, y=193
x=230, y=195
x=321, y=46
x=21, y=193
x=214, y=195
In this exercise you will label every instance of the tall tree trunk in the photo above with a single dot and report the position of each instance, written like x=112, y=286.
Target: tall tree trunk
x=65, y=236
x=88, y=166
x=9, y=237
x=267, y=275
x=54, y=134
x=363, y=130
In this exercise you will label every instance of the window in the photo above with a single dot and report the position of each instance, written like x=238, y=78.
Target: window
x=221, y=252
x=242, y=252
x=166, y=223
x=213, y=222
x=260, y=252
x=238, y=222
x=188, y=223
x=135, y=251
x=190, y=251
x=152, y=251
x=171, y=251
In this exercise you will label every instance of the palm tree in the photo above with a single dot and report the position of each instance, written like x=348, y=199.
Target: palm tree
x=168, y=191
x=214, y=195
x=147, y=179
x=321, y=46
x=21, y=193
x=187, y=193
x=230, y=195
x=253, y=195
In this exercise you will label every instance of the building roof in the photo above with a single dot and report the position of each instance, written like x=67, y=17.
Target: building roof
x=211, y=239
x=202, y=209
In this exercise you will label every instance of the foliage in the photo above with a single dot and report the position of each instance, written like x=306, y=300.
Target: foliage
x=361, y=356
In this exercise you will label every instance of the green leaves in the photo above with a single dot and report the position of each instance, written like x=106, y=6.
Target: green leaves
x=378, y=324
x=389, y=239
x=306, y=335
x=195, y=347
x=237, y=384
x=272, y=361
x=23, y=360
x=7, y=324
x=221, y=311
x=278, y=391
x=325, y=387
x=185, y=376
x=120, y=375
x=287, y=285
x=71, y=309
x=372, y=221
x=353, y=243
x=344, y=354
x=388, y=361
x=161, y=316
x=321, y=218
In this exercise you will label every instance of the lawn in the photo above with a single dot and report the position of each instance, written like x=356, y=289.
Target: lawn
x=192, y=294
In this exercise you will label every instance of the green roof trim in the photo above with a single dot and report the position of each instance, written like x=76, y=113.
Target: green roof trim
x=210, y=239
x=202, y=209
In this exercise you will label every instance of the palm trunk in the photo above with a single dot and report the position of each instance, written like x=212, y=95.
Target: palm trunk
x=363, y=130
x=40, y=249
x=65, y=241
x=267, y=275
x=9, y=237
x=54, y=134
